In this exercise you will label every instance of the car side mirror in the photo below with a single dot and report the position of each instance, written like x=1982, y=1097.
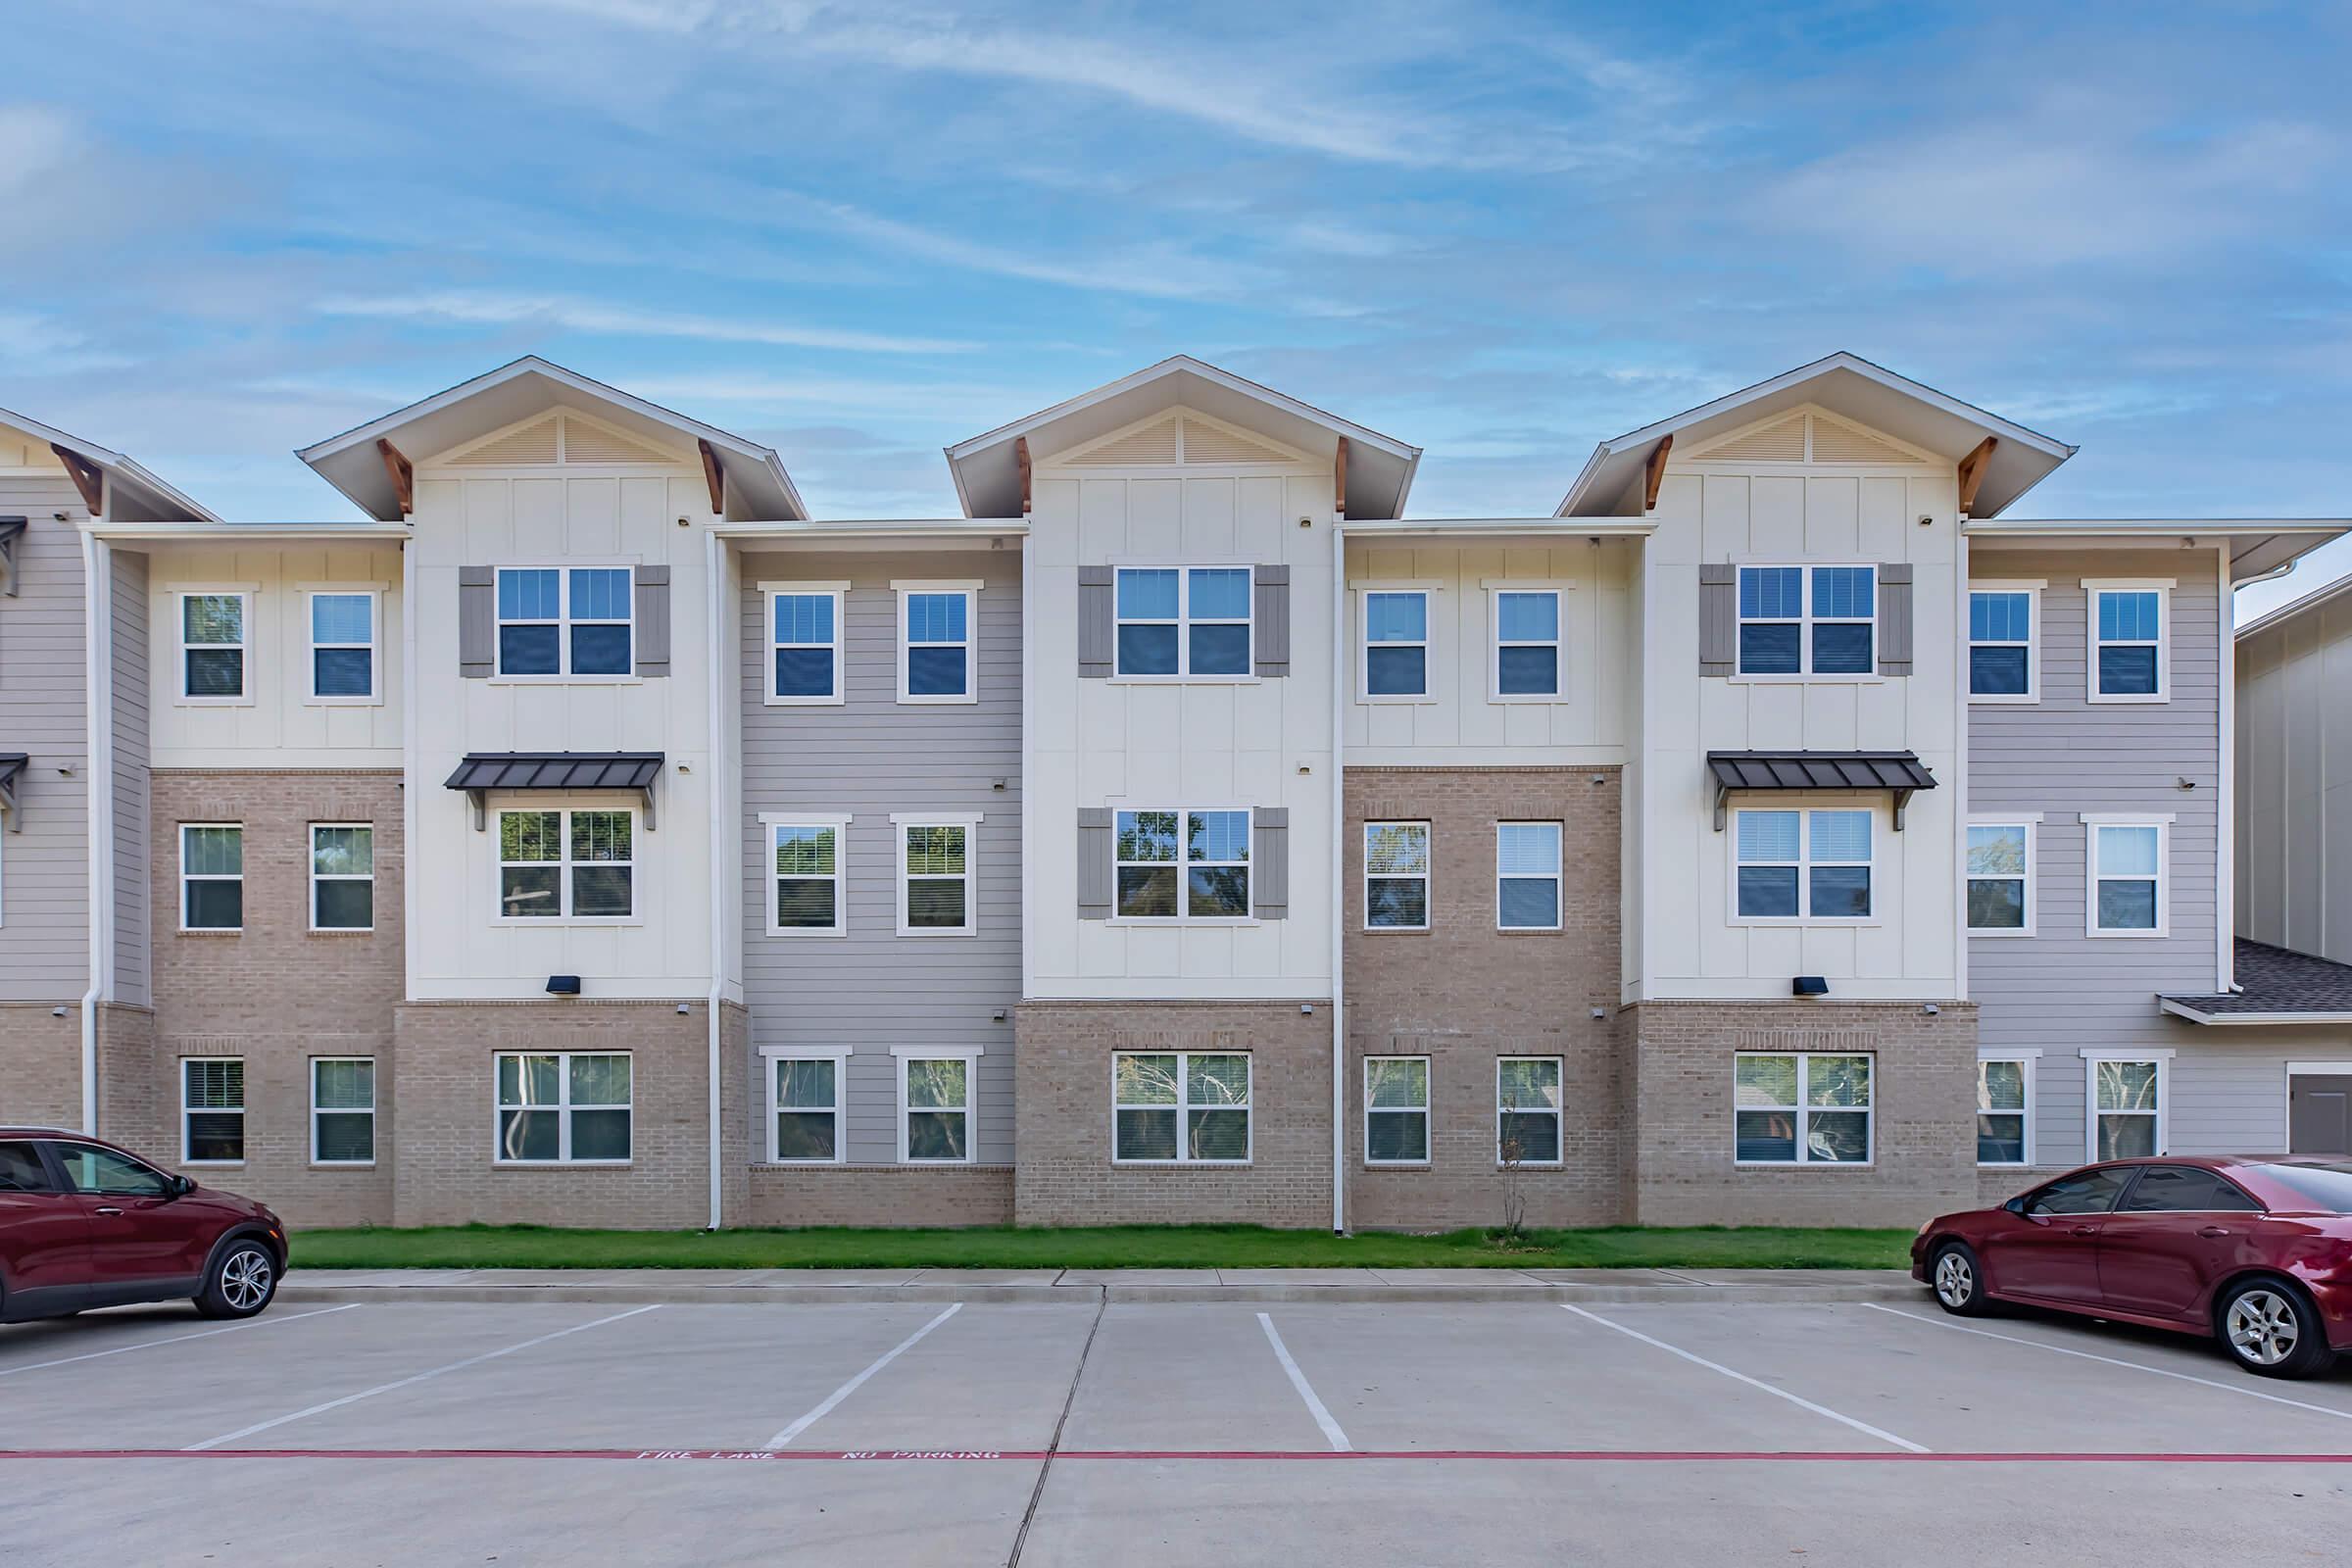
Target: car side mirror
x=2015, y=1205
x=182, y=1187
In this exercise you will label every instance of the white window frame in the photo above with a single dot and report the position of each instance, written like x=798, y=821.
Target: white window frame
x=839, y=1056
x=1559, y=882
x=769, y=823
x=245, y=594
x=374, y=593
x=969, y=589
x=970, y=1056
x=563, y=864
x=1427, y=876
x=1803, y=1111
x=1183, y=867
x=563, y=1107
x=2031, y=589
x=2030, y=1058
x=900, y=822
x=341, y=876
x=1804, y=875
x=1805, y=621
x=2031, y=822
x=186, y=877
x=317, y=1110
x=2092, y=1056
x=564, y=622
x=1559, y=589
x=1427, y=593
x=2162, y=588
x=1558, y=1113
x=1428, y=1094
x=2092, y=875
x=244, y=1127
x=1184, y=621
x=770, y=593
x=1184, y=1107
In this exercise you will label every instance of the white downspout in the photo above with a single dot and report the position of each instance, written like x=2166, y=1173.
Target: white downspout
x=1339, y=878
x=98, y=687
x=715, y=787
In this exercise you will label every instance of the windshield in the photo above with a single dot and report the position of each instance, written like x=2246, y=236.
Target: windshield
x=2328, y=1187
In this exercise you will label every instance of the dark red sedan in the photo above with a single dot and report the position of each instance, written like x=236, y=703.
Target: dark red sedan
x=83, y=1224
x=2255, y=1251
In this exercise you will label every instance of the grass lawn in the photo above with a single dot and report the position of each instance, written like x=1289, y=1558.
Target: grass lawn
x=1108, y=1247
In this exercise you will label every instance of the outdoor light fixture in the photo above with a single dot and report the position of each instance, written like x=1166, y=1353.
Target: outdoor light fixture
x=562, y=985
x=1809, y=985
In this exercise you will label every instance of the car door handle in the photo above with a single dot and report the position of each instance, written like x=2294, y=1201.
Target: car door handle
x=108, y=1208
x=2083, y=1230
x=2213, y=1232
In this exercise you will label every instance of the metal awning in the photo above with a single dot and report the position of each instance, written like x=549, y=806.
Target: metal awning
x=12, y=534
x=12, y=764
x=484, y=771
x=1899, y=772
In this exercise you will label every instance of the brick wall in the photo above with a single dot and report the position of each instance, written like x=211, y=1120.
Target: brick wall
x=1064, y=1174
x=1464, y=993
x=40, y=1062
x=1924, y=1095
x=878, y=1194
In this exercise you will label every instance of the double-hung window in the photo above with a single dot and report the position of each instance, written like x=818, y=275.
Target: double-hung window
x=342, y=876
x=1801, y=1109
x=935, y=641
x=2000, y=877
x=1808, y=620
x=212, y=876
x=935, y=876
x=1396, y=1110
x=212, y=1110
x=1527, y=876
x=566, y=866
x=213, y=647
x=935, y=1108
x=1802, y=865
x=2004, y=1107
x=808, y=875
x=1527, y=642
x=563, y=1107
x=343, y=1110
x=1183, y=621
x=1395, y=643
x=1178, y=1108
x=2127, y=894
x=2128, y=653
x=1395, y=876
x=2125, y=1094
x=803, y=1106
x=344, y=628
x=2002, y=658
x=1527, y=1111
x=1183, y=865
x=804, y=643
x=566, y=621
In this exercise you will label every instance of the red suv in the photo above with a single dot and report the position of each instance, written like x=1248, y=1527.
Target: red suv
x=85, y=1224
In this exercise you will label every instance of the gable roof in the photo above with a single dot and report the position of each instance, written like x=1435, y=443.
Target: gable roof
x=135, y=495
x=757, y=486
x=2275, y=985
x=1852, y=389
x=986, y=472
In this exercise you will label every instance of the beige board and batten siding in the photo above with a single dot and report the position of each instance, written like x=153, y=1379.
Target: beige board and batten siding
x=866, y=758
x=2294, y=793
x=44, y=863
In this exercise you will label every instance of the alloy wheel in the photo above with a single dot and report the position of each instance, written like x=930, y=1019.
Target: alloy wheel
x=1955, y=1280
x=2262, y=1326
x=245, y=1279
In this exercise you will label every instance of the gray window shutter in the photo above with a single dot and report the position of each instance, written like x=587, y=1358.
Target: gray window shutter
x=652, y=620
x=1097, y=630
x=1094, y=863
x=1894, y=618
x=1270, y=862
x=1273, y=615
x=477, y=621
x=1718, y=618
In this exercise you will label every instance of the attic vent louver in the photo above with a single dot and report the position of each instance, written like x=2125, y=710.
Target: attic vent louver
x=533, y=446
x=1206, y=444
x=588, y=443
x=1783, y=442
x=1154, y=446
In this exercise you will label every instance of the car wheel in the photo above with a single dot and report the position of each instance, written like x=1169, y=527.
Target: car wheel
x=1959, y=1280
x=244, y=1279
x=2271, y=1327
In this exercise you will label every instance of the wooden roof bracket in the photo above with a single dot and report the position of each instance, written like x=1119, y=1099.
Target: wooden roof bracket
x=1021, y=454
x=1654, y=476
x=401, y=473
x=1971, y=477
x=87, y=477
x=714, y=474
x=1339, y=481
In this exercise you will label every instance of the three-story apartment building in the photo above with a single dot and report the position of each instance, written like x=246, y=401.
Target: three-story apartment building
x=1776, y=830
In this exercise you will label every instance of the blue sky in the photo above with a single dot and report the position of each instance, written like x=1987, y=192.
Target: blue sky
x=1501, y=232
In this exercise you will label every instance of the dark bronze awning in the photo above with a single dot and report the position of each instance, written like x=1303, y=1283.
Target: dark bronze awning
x=1899, y=772
x=484, y=771
x=12, y=766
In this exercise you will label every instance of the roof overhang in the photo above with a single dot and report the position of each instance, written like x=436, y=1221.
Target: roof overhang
x=214, y=533
x=1847, y=385
x=1417, y=530
x=1900, y=773
x=484, y=771
x=2185, y=1008
x=11, y=766
x=2326, y=593
x=131, y=491
x=2258, y=546
x=755, y=481
x=987, y=468
x=947, y=532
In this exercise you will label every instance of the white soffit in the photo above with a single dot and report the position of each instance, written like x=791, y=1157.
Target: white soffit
x=133, y=495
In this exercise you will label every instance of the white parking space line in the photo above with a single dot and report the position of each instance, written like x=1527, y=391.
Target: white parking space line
x=179, y=1338
x=1741, y=1377
x=2086, y=1355
x=1306, y=1391
x=409, y=1382
x=855, y=1384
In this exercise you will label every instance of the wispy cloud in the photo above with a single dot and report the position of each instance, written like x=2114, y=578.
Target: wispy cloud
x=619, y=320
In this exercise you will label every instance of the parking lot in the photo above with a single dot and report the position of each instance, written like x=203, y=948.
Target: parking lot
x=983, y=1433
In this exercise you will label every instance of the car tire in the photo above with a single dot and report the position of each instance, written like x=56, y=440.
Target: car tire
x=1958, y=1281
x=2271, y=1327
x=242, y=1282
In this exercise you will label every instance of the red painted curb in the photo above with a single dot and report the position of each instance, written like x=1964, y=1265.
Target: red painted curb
x=1211, y=1455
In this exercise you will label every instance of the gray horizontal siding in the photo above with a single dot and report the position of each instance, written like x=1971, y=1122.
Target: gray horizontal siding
x=866, y=758
x=131, y=897
x=44, y=876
